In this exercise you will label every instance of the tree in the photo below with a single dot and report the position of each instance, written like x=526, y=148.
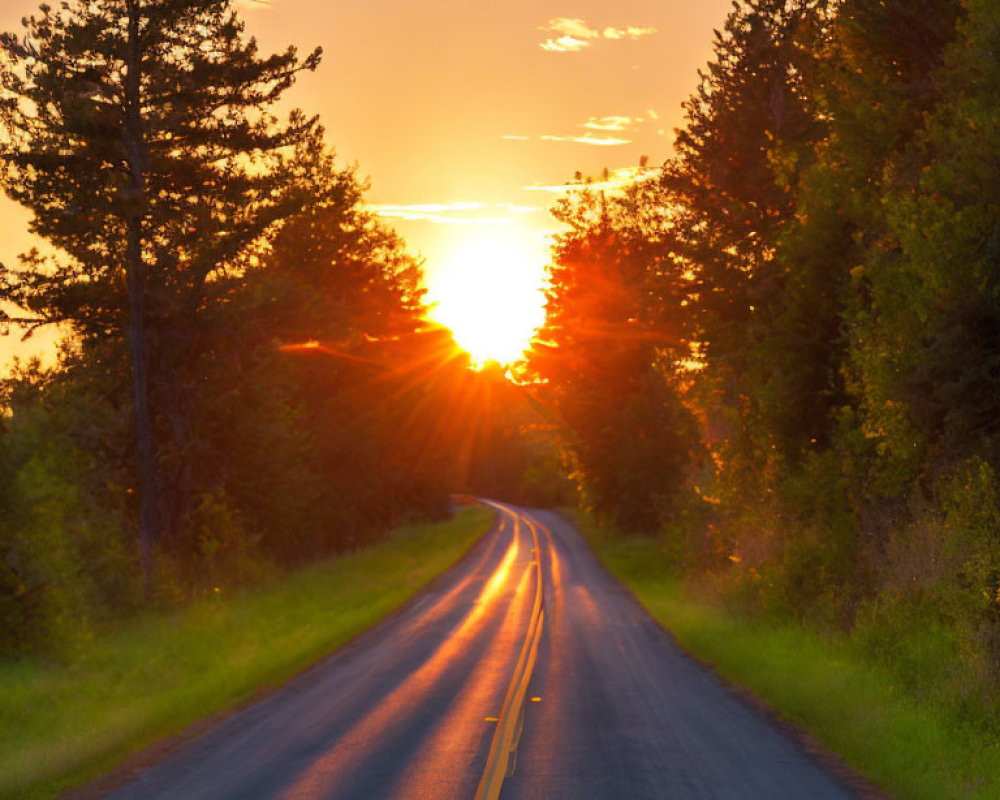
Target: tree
x=607, y=356
x=304, y=347
x=947, y=220
x=733, y=195
x=747, y=137
x=139, y=136
x=880, y=84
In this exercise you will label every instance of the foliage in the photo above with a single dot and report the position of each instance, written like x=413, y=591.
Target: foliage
x=823, y=247
x=215, y=174
x=763, y=322
x=608, y=357
x=67, y=566
x=140, y=137
x=247, y=373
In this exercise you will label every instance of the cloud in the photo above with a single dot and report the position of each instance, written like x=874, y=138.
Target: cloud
x=574, y=26
x=606, y=141
x=631, y=32
x=572, y=34
x=611, y=123
x=617, y=179
x=457, y=212
x=564, y=44
x=600, y=125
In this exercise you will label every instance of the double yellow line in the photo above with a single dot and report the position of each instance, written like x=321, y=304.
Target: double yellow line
x=511, y=720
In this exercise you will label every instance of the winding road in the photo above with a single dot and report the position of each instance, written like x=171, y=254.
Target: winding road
x=526, y=672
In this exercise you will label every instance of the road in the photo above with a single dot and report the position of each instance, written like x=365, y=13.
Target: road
x=526, y=672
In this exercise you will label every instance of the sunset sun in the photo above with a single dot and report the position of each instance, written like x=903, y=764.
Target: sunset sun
x=489, y=294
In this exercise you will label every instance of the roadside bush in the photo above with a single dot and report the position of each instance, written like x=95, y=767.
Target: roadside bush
x=64, y=544
x=970, y=498
x=793, y=551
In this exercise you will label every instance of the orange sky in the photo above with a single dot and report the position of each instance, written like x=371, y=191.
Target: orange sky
x=461, y=112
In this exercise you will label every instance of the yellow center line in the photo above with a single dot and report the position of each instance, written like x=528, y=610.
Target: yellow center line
x=511, y=721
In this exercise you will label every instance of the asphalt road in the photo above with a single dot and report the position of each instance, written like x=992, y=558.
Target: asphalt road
x=525, y=672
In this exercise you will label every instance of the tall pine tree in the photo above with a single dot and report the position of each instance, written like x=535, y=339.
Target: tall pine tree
x=139, y=134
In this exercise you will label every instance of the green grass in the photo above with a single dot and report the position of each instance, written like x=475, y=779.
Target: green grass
x=912, y=747
x=63, y=725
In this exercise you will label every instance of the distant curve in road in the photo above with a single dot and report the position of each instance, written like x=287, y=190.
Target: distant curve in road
x=527, y=672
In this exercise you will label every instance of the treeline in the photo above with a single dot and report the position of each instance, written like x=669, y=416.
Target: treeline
x=783, y=347
x=247, y=381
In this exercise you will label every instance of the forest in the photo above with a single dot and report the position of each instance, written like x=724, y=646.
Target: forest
x=777, y=354
x=247, y=382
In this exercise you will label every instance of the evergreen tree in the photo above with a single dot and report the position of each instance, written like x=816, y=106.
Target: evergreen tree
x=138, y=134
x=947, y=220
x=747, y=137
x=882, y=81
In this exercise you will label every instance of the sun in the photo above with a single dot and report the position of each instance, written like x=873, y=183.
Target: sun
x=489, y=293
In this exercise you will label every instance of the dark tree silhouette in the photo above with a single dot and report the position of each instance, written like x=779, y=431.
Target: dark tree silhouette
x=140, y=138
x=607, y=355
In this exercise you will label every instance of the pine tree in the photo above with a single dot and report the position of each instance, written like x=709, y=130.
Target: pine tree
x=139, y=134
x=749, y=129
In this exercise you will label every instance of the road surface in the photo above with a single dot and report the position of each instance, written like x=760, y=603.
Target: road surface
x=525, y=673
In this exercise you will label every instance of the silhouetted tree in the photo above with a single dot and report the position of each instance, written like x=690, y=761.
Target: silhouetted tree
x=607, y=354
x=140, y=138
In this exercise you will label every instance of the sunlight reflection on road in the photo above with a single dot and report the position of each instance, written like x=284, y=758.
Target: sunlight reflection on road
x=473, y=691
x=458, y=736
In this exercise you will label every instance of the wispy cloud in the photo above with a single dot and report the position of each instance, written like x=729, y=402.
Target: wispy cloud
x=600, y=141
x=571, y=26
x=572, y=34
x=617, y=179
x=605, y=141
x=594, y=127
x=564, y=44
x=611, y=123
x=457, y=212
x=631, y=32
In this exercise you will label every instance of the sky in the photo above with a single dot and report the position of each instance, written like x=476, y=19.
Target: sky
x=466, y=116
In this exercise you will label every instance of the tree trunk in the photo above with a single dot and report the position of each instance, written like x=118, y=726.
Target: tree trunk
x=135, y=273
x=148, y=484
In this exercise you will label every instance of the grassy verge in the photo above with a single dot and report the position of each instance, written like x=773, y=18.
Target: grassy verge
x=61, y=726
x=914, y=749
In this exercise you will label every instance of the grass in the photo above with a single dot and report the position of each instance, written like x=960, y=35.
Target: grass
x=61, y=726
x=910, y=746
